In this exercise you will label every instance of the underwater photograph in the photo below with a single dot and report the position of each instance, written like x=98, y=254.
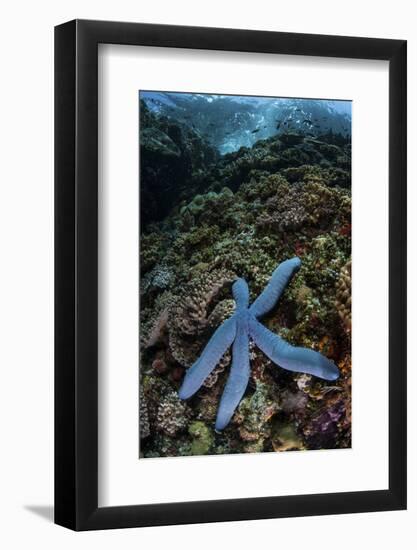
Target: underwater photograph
x=245, y=274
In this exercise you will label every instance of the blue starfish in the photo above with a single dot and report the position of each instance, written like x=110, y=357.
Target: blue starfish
x=237, y=329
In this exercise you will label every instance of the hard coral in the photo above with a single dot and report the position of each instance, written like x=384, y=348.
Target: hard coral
x=172, y=416
x=220, y=232
x=343, y=296
x=189, y=316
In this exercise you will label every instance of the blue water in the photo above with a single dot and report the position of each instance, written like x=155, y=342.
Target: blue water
x=230, y=122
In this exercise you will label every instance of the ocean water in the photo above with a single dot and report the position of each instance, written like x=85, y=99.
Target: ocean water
x=229, y=122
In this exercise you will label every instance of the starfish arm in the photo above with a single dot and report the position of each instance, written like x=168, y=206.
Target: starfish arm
x=273, y=290
x=290, y=357
x=241, y=294
x=238, y=379
x=211, y=355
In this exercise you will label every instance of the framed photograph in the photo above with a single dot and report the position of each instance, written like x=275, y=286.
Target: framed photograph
x=230, y=248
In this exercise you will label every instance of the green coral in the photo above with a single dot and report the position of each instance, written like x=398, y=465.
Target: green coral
x=202, y=438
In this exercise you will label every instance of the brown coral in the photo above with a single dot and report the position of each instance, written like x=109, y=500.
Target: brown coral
x=301, y=204
x=189, y=317
x=220, y=313
x=254, y=415
x=343, y=296
x=153, y=322
x=212, y=378
x=172, y=416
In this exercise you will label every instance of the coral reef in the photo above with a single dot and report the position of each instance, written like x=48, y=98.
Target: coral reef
x=172, y=416
x=254, y=417
x=239, y=215
x=343, y=296
x=171, y=154
x=237, y=330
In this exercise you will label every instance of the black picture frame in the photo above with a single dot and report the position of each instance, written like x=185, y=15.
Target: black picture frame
x=76, y=271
